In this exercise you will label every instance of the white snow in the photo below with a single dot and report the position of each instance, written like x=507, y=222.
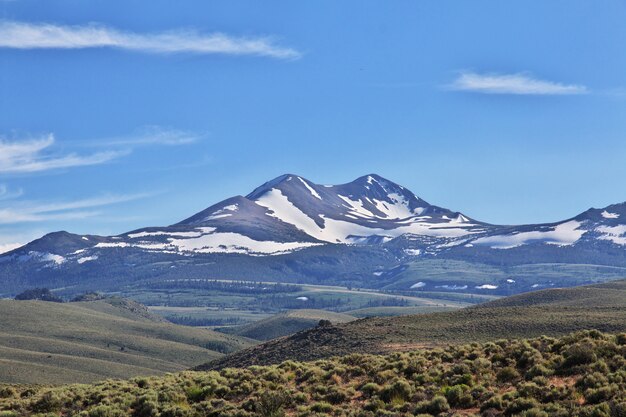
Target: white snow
x=302, y=298
x=311, y=190
x=487, y=287
x=112, y=245
x=235, y=243
x=341, y=231
x=284, y=210
x=564, y=234
x=51, y=257
x=378, y=273
x=84, y=238
x=220, y=214
x=616, y=234
x=413, y=252
x=452, y=287
x=356, y=207
x=510, y=281
x=608, y=215
x=398, y=209
x=163, y=233
x=86, y=259
x=418, y=285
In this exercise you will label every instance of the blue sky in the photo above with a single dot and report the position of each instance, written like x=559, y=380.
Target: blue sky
x=116, y=115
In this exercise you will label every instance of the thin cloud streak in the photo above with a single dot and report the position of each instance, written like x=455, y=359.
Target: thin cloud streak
x=155, y=135
x=23, y=35
x=516, y=84
x=31, y=156
x=77, y=209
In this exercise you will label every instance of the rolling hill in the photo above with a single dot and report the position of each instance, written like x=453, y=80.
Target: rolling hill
x=44, y=342
x=287, y=323
x=547, y=312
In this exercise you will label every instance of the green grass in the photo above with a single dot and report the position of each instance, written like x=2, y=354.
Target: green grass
x=549, y=312
x=43, y=342
x=578, y=375
x=437, y=272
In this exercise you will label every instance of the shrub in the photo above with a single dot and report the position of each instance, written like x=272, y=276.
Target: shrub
x=458, y=396
x=579, y=354
x=370, y=389
x=271, y=404
x=507, y=374
x=47, y=403
x=618, y=410
x=7, y=392
x=106, y=411
x=145, y=406
x=437, y=405
x=321, y=407
x=399, y=391
x=534, y=412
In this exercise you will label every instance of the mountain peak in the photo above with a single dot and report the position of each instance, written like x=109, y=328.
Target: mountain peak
x=275, y=183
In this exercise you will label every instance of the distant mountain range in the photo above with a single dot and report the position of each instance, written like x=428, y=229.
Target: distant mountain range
x=370, y=232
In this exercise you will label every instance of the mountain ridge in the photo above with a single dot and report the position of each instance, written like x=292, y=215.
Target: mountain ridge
x=306, y=228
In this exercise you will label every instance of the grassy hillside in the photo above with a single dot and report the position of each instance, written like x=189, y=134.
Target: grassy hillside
x=396, y=311
x=548, y=312
x=439, y=274
x=580, y=375
x=287, y=323
x=43, y=342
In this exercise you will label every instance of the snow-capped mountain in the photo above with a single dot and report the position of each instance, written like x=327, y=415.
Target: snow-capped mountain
x=280, y=225
x=367, y=210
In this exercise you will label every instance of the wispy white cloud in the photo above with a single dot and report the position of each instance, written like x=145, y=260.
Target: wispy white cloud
x=519, y=83
x=28, y=211
x=7, y=194
x=23, y=35
x=33, y=155
x=155, y=135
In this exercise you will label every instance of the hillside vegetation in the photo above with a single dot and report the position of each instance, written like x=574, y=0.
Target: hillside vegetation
x=286, y=323
x=43, y=342
x=549, y=312
x=580, y=375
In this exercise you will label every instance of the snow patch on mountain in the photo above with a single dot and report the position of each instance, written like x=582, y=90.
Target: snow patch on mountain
x=615, y=234
x=236, y=243
x=608, y=215
x=86, y=259
x=313, y=192
x=486, y=287
x=563, y=234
